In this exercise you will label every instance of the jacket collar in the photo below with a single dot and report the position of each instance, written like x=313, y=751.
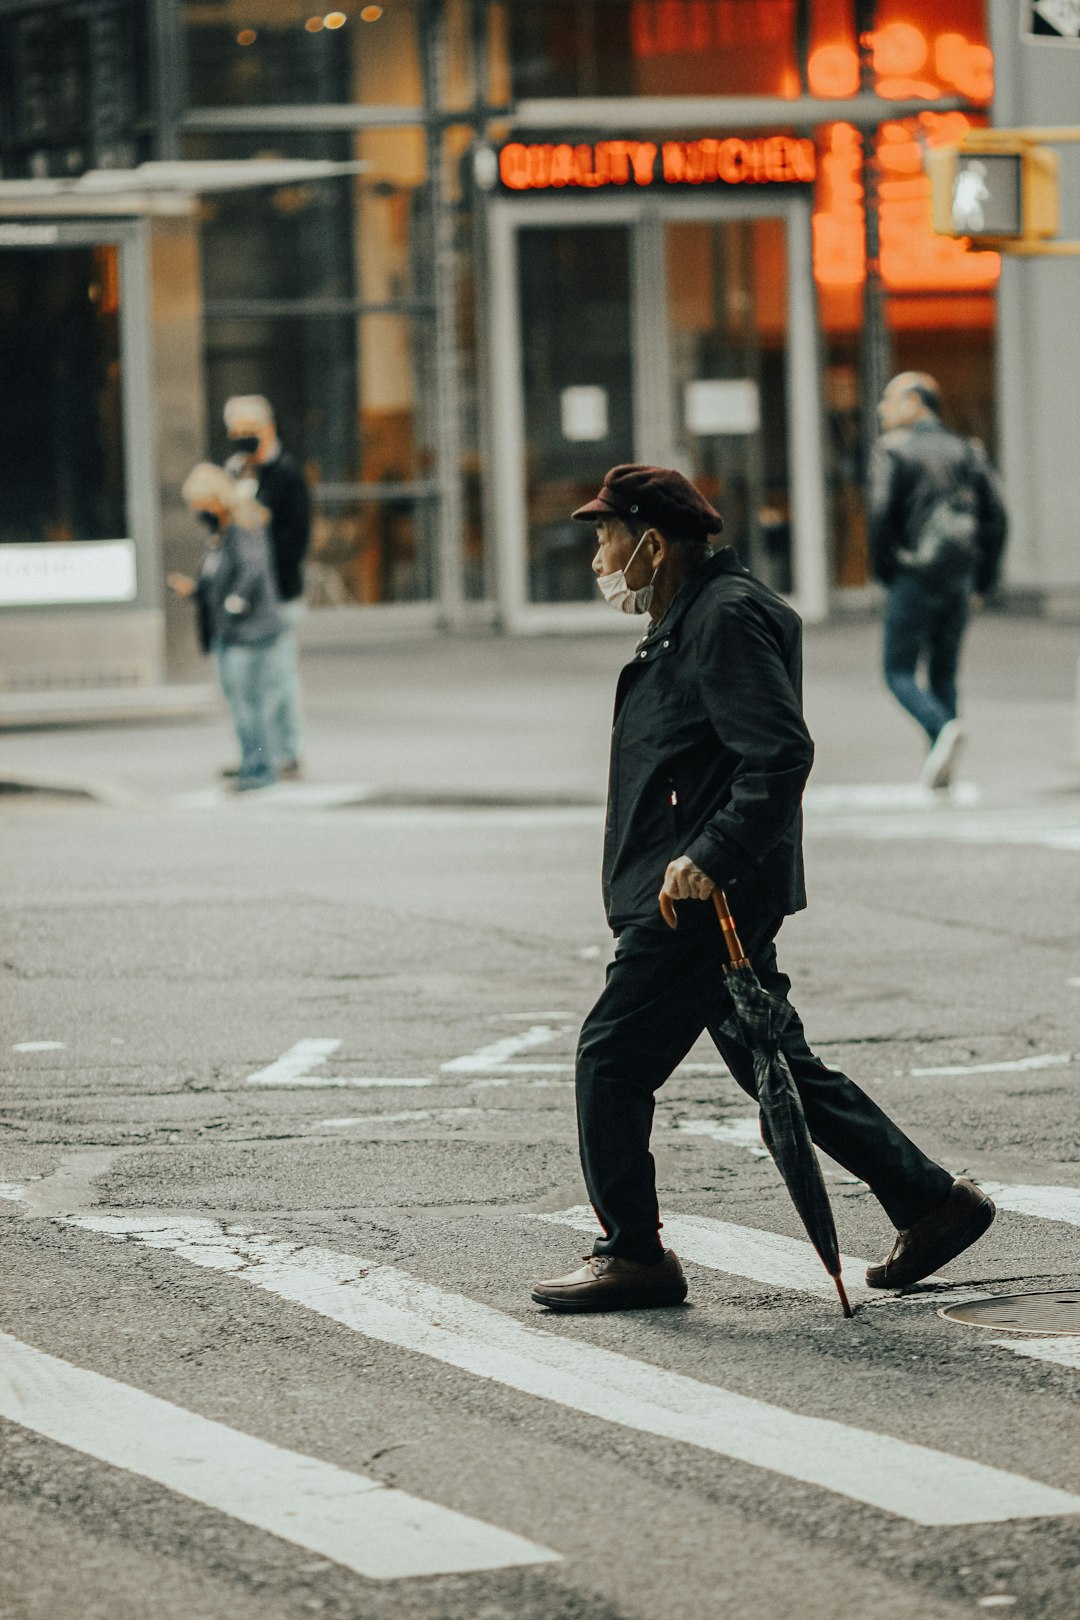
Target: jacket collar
x=723, y=561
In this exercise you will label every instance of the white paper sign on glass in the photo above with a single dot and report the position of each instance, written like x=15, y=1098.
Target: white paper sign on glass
x=728, y=405
x=54, y=573
x=584, y=414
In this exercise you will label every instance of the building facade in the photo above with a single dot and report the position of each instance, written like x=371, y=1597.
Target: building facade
x=584, y=231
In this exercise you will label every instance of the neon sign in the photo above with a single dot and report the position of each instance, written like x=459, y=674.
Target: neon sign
x=759, y=160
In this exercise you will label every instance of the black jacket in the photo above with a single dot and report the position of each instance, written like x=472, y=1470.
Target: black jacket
x=911, y=469
x=710, y=753
x=235, y=595
x=283, y=491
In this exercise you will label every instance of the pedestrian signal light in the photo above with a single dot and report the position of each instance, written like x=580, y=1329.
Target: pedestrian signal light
x=994, y=188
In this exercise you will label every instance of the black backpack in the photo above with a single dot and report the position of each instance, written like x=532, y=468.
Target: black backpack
x=946, y=548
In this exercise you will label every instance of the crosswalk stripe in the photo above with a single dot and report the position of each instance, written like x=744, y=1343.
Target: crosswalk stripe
x=740, y=1251
x=1045, y=1203
x=914, y=1482
x=765, y=1257
x=378, y=1531
x=1062, y=1348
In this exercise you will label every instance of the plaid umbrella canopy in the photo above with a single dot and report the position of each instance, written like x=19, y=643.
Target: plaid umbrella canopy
x=758, y=1021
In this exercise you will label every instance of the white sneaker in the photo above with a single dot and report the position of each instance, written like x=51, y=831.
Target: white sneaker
x=937, y=772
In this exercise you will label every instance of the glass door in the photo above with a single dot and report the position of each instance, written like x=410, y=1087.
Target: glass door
x=677, y=331
x=577, y=354
x=727, y=340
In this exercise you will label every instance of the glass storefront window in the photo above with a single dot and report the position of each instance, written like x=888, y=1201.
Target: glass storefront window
x=370, y=552
x=653, y=48
x=243, y=53
x=318, y=296
x=61, y=451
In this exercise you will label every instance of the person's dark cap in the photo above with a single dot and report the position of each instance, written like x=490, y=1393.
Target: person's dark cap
x=653, y=495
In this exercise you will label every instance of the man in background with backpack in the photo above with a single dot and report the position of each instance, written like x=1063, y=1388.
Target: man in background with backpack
x=937, y=528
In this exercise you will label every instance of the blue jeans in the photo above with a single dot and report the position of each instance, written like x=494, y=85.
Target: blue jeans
x=285, y=679
x=930, y=625
x=246, y=680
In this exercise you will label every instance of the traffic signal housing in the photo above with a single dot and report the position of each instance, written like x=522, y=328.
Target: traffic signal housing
x=995, y=188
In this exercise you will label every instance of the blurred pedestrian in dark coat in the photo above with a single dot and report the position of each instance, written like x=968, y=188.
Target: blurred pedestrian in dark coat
x=937, y=528
x=282, y=489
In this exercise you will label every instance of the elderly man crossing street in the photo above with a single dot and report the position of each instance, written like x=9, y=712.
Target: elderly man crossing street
x=709, y=757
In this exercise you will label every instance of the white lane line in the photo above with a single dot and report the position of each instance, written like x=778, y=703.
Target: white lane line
x=362, y=1523
x=526, y=1018
x=340, y=1082
x=38, y=1046
x=846, y=796
x=746, y=1251
x=300, y=1068
x=404, y=1118
x=1045, y=1203
x=742, y=1133
x=523, y=1085
x=1062, y=1348
x=297, y=1063
x=914, y=1482
x=1044, y=1060
x=500, y=1054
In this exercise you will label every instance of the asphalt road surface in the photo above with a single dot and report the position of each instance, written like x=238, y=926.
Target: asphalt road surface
x=288, y=1133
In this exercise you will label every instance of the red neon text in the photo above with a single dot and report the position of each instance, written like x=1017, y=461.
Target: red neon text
x=772, y=159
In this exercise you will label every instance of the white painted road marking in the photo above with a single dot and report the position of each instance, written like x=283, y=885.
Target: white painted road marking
x=740, y=1251
x=502, y=1053
x=297, y=1063
x=343, y=1082
x=1045, y=1203
x=1044, y=1060
x=300, y=1068
x=914, y=1482
x=743, y=1133
x=844, y=796
x=356, y=1521
x=1062, y=1348
x=38, y=1046
x=1038, y=827
x=764, y=1257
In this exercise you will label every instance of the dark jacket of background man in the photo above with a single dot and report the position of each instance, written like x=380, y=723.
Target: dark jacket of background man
x=283, y=490
x=911, y=470
x=710, y=752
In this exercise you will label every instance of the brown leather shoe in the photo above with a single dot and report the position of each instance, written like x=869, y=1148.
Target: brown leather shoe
x=607, y=1282
x=935, y=1240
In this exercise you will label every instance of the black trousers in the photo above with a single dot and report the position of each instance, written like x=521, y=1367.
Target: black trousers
x=663, y=990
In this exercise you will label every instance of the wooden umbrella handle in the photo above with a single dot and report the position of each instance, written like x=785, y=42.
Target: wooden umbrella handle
x=738, y=956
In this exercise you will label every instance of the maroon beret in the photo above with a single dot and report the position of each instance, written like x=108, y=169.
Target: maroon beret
x=653, y=495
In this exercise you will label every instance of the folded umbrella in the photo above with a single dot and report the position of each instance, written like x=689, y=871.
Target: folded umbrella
x=758, y=1021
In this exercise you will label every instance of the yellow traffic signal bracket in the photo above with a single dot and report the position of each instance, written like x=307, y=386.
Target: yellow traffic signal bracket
x=993, y=173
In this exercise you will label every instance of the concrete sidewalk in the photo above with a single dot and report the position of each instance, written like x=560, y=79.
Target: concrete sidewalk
x=491, y=717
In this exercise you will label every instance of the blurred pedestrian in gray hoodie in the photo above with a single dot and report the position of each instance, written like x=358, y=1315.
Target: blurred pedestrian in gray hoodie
x=236, y=599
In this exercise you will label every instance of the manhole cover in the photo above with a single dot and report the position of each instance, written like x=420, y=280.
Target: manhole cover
x=1057, y=1311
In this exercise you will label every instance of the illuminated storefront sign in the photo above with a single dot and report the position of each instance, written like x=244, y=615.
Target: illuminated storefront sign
x=588, y=165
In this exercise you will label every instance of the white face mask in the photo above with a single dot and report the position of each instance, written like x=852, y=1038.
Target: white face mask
x=618, y=594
